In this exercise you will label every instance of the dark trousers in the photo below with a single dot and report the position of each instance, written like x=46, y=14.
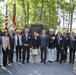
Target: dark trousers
x=61, y=55
x=58, y=52
x=5, y=56
x=43, y=52
x=72, y=54
x=11, y=54
x=26, y=50
x=65, y=53
x=18, y=53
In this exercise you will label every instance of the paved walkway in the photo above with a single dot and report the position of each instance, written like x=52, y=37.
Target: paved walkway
x=38, y=68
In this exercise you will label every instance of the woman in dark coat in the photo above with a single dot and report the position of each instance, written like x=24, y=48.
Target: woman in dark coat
x=34, y=45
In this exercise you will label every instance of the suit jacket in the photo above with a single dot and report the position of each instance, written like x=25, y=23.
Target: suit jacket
x=52, y=41
x=44, y=43
x=35, y=42
x=61, y=43
x=72, y=43
x=24, y=41
x=4, y=43
x=20, y=40
x=0, y=40
x=11, y=40
x=66, y=41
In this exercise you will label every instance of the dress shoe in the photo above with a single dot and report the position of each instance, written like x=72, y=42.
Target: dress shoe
x=48, y=60
x=57, y=61
x=41, y=61
x=60, y=62
x=27, y=61
x=4, y=65
x=64, y=60
x=34, y=62
x=69, y=61
x=12, y=61
x=51, y=61
x=22, y=62
x=0, y=65
x=45, y=62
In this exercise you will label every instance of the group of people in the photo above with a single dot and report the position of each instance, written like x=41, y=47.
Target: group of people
x=47, y=43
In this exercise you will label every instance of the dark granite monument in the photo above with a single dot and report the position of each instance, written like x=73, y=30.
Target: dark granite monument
x=38, y=27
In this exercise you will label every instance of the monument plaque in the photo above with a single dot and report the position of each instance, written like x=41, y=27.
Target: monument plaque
x=38, y=27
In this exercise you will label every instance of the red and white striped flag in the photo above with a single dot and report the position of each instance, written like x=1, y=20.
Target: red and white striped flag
x=58, y=26
x=14, y=17
x=6, y=19
x=59, y=22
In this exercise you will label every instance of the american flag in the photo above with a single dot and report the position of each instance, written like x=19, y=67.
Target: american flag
x=6, y=19
x=14, y=17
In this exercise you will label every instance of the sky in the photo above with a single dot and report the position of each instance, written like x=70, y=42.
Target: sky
x=2, y=8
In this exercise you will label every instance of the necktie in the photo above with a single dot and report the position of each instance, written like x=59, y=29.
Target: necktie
x=17, y=40
x=65, y=36
x=11, y=35
x=72, y=38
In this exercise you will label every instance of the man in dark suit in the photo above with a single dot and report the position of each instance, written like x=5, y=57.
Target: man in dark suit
x=44, y=43
x=59, y=46
x=66, y=42
x=72, y=47
x=0, y=46
x=26, y=45
x=11, y=38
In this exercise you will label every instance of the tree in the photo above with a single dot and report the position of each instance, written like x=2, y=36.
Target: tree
x=69, y=8
x=2, y=20
x=31, y=11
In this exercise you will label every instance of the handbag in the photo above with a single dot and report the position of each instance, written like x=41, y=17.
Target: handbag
x=34, y=51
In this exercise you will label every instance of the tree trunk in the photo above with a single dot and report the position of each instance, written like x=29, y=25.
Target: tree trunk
x=72, y=10
x=49, y=15
x=41, y=11
x=63, y=20
x=69, y=21
x=27, y=12
x=23, y=4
